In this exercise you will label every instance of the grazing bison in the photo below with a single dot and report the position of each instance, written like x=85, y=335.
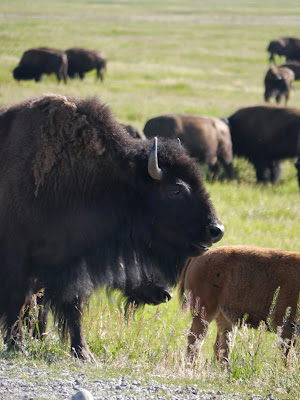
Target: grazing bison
x=36, y=62
x=81, y=61
x=83, y=204
x=206, y=138
x=278, y=82
x=134, y=132
x=286, y=47
x=266, y=134
x=294, y=66
x=227, y=283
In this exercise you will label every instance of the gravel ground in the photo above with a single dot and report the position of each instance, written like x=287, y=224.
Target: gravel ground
x=21, y=382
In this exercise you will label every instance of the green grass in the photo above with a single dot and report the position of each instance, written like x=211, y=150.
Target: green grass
x=172, y=56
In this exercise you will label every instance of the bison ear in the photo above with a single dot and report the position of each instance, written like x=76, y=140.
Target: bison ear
x=154, y=171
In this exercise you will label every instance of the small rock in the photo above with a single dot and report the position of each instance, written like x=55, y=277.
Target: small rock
x=83, y=395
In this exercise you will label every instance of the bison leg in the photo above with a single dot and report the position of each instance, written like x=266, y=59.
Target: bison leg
x=221, y=345
x=99, y=74
x=38, y=330
x=14, y=331
x=297, y=165
x=228, y=168
x=73, y=316
x=214, y=169
x=263, y=173
x=38, y=78
x=275, y=169
x=287, y=96
x=278, y=98
x=196, y=337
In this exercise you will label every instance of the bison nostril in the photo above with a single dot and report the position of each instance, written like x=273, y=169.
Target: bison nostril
x=167, y=295
x=216, y=232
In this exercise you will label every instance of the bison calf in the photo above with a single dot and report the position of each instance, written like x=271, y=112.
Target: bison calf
x=228, y=282
x=36, y=62
x=278, y=82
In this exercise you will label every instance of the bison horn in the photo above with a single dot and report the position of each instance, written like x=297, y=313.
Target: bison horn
x=179, y=141
x=154, y=171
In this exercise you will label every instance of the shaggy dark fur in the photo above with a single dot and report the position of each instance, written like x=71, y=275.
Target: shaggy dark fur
x=79, y=209
x=36, y=62
x=265, y=135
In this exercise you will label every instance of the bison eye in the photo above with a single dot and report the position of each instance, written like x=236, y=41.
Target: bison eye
x=177, y=190
x=174, y=193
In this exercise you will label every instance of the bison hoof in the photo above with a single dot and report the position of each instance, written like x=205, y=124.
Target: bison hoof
x=83, y=353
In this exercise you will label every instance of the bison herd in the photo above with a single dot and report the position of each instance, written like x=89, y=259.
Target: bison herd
x=262, y=134
x=70, y=63
x=279, y=80
x=85, y=204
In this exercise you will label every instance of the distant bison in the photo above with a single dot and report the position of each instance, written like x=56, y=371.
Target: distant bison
x=81, y=61
x=36, y=62
x=266, y=134
x=83, y=205
x=134, y=132
x=206, y=138
x=294, y=66
x=227, y=283
x=278, y=82
x=287, y=47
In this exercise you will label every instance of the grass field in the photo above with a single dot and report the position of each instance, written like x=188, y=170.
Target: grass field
x=185, y=56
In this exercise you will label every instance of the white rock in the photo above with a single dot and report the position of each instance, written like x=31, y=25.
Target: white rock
x=83, y=395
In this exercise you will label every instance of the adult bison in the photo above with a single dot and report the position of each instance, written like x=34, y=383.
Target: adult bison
x=278, y=82
x=36, y=62
x=230, y=282
x=266, y=134
x=81, y=61
x=206, y=138
x=288, y=47
x=84, y=204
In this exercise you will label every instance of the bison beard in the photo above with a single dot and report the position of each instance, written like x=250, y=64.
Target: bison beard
x=84, y=205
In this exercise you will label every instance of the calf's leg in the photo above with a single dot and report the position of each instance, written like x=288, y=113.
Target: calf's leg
x=221, y=346
x=297, y=165
x=196, y=336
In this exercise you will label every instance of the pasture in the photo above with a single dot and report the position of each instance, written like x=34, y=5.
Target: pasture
x=179, y=56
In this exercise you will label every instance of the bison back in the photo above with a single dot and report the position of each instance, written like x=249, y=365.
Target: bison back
x=84, y=60
x=167, y=126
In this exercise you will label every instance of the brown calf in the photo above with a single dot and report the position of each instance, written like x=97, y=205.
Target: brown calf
x=228, y=282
